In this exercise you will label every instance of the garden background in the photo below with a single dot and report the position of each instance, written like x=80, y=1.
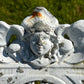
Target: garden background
x=66, y=11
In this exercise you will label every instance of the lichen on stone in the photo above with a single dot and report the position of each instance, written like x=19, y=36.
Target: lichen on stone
x=19, y=70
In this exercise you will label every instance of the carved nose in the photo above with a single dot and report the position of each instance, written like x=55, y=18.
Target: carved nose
x=40, y=41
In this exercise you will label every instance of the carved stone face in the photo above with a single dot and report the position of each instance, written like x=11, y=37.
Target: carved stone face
x=40, y=43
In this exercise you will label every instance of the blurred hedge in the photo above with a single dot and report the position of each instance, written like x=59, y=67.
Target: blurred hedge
x=66, y=11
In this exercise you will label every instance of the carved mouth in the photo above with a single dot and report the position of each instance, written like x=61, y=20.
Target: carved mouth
x=40, y=48
x=39, y=53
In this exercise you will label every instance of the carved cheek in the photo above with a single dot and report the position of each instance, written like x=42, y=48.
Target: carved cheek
x=47, y=45
x=82, y=40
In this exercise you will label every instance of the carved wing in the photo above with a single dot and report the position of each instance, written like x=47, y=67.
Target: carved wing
x=15, y=30
x=75, y=58
x=6, y=31
x=4, y=28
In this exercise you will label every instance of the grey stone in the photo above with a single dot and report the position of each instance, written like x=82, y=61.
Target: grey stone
x=44, y=51
x=76, y=34
x=40, y=20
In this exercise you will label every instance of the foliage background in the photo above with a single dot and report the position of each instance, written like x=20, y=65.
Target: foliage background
x=66, y=11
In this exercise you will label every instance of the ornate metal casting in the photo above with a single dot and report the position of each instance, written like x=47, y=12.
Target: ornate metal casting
x=42, y=50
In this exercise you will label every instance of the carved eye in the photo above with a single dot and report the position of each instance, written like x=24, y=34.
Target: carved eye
x=45, y=37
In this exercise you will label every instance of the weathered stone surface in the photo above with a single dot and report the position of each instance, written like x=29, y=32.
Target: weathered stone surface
x=44, y=51
x=76, y=34
x=40, y=20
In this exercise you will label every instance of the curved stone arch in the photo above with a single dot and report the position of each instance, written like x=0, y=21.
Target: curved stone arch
x=46, y=78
